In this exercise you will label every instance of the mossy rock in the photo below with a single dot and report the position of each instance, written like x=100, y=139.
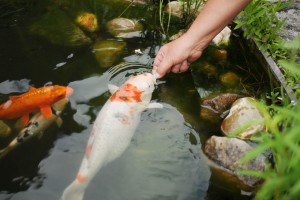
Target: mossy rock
x=5, y=130
x=230, y=79
x=88, y=21
x=5, y=133
x=107, y=52
x=59, y=29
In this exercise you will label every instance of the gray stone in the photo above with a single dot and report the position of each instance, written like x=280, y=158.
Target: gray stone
x=243, y=113
x=226, y=154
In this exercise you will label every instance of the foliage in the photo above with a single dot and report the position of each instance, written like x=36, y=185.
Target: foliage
x=259, y=21
x=191, y=10
x=283, y=139
x=162, y=14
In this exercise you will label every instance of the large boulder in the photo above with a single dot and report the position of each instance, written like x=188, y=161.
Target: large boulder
x=243, y=114
x=226, y=154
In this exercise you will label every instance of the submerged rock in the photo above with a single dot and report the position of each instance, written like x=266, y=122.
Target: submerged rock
x=206, y=68
x=124, y=28
x=219, y=55
x=226, y=154
x=139, y=1
x=213, y=107
x=5, y=130
x=242, y=113
x=56, y=27
x=107, y=52
x=88, y=21
x=220, y=103
x=230, y=79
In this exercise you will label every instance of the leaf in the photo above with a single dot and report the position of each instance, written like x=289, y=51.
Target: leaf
x=259, y=149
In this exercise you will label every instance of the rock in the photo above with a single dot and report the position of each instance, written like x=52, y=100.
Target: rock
x=230, y=79
x=56, y=27
x=219, y=55
x=220, y=103
x=107, y=52
x=213, y=107
x=5, y=130
x=88, y=21
x=175, y=8
x=206, y=68
x=242, y=112
x=177, y=35
x=5, y=133
x=226, y=153
x=124, y=28
x=223, y=37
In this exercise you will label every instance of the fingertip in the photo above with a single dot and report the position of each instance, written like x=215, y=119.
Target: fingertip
x=154, y=72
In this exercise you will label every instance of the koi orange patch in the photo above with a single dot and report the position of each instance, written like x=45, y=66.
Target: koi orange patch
x=81, y=178
x=88, y=150
x=127, y=93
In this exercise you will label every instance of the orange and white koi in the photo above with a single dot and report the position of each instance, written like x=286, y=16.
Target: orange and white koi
x=36, y=98
x=113, y=129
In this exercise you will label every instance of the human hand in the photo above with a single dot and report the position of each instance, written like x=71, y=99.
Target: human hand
x=175, y=56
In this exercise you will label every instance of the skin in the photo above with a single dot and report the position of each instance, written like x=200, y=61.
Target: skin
x=177, y=55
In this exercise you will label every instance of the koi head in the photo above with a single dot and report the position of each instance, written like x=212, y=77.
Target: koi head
x=143, y=82
x=137, y=88
x=60, y=92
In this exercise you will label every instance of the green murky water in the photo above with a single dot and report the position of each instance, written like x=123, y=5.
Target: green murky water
x=164, y=160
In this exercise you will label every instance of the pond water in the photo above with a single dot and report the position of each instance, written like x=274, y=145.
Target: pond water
x=164, y=159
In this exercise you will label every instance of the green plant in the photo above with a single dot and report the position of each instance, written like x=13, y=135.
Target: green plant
x=281, y=180
x=260, y=22
x=190, y=10
x=162, y=14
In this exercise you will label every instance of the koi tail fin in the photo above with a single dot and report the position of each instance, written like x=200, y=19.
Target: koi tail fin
x=74, y=191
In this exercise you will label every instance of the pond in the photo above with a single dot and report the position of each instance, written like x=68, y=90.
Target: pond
x=164, y=159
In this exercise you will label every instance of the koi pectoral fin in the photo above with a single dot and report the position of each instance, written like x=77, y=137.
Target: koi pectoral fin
x=46, y=111
x=155, y=105
x=112, y=88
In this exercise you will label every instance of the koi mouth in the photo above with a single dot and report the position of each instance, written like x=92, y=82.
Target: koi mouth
x=69, y=91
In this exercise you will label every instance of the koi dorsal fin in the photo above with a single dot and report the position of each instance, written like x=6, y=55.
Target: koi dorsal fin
x=31, y=89
x=13, y=97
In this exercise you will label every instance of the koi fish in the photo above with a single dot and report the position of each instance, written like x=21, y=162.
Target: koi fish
x=36, y=98
x=36, y=127
x=113, y=129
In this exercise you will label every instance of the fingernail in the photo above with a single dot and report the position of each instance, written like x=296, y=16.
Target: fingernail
x=154, y=72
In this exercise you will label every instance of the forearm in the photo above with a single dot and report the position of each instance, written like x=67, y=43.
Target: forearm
x=215, y=15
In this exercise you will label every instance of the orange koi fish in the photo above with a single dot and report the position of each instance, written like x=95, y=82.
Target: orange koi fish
x=36, y=98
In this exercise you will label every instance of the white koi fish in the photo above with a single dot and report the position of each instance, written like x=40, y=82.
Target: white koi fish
x=113, y=129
